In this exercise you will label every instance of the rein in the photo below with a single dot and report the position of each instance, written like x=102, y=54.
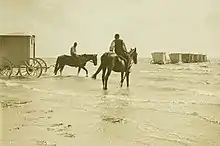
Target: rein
x=122, y=57
x=90, y=60
x=131, y=63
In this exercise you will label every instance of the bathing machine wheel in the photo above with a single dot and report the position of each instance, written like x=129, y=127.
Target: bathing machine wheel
x=30, y=68
x=43, y=64
x=6, y=68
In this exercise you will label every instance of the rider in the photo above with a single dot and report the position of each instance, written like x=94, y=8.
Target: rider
x=73, y=49
x=73, y=52
x=120, y=49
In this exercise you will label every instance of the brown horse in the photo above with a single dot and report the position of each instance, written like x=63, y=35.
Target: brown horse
x=70, y=61
x=111, y=62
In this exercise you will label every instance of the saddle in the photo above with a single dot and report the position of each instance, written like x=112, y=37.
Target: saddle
x=77, y=59
x=126, y=60
x=123, y=60
x=119, y=57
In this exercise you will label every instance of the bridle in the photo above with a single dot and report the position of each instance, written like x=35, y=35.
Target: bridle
x=130, y=63
x=92, y=60
x=131, y=60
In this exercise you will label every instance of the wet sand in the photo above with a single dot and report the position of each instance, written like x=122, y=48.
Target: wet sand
x=1, y=139
x=171, y=105
x=26, y=123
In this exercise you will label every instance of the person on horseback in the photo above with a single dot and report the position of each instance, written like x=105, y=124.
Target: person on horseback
x=73, y=53
x=73, y=49
x=118, y=46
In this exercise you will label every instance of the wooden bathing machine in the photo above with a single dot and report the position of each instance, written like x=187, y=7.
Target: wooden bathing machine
x=158, y=58
x=175, y=58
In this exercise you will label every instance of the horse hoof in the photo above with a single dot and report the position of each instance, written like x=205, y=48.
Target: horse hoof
x=104, y=88
x=94, y=77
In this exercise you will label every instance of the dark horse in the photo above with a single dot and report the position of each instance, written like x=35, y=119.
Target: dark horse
x=111, y=62
x=70, y=61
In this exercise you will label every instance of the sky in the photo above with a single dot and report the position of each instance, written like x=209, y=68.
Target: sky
x=149, y=25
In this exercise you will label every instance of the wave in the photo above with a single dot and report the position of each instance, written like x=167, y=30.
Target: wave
x=204, y=103
x=182, y=67
x=123, y=96
x=195, y=114
x=202, y=92
x=208, y=119
x=53, y=92
x=179, y=89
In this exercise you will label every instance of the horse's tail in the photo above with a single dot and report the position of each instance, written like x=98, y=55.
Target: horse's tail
x=103, y=58
x=56, y=65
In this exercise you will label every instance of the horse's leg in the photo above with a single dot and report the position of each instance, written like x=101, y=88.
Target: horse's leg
x=57, y=66
x=85, y=71
x=61, y=70
x=97, y=72
x=127, y=76
x=78, y=71
x=103, y=77
x=122, y=78
x=106, y=78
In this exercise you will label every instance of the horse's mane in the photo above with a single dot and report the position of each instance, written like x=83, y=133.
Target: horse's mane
x=84, y=55
x=88, y=54
x=132, y=50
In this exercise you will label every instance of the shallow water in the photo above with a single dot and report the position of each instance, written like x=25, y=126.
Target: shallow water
x=166, y=105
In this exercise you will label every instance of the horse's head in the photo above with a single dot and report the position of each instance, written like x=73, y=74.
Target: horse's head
x=133, y=55
x=94, y=59
x=91, y=58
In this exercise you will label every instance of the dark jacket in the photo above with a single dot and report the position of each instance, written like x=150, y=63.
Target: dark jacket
x=118, y=46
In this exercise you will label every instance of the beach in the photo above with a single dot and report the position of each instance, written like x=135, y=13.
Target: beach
x=165, y=105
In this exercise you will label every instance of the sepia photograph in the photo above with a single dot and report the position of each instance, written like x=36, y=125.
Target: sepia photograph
x=110, y=73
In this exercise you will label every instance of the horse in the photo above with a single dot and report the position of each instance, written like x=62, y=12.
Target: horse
x=112, y=62
x=71, y=61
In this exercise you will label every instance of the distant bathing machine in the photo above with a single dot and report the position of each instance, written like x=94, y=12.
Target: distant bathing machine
x=161, y=58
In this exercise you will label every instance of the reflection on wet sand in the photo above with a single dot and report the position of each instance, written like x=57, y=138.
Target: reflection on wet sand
x=114, y=119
